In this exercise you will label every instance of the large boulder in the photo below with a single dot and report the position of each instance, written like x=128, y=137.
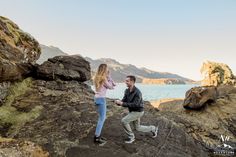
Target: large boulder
x=198, y=97
x=217, y=74
x=67, y=68
x=18, y=51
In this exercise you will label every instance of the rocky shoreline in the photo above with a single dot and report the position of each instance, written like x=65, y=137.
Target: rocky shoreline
x=67, y=121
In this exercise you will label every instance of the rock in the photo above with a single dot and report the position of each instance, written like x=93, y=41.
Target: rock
x=172, y=140
x=208, y=125
x=225, y=90
x=68, y=68
x=4, y=128
x=198, y=97
x=4, y=91
x=18, y=51
x=67, y=115
x=66, y=123
x=18, y=148
x=217, y=74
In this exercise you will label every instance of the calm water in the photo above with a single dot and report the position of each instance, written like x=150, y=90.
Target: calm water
x=152, y=92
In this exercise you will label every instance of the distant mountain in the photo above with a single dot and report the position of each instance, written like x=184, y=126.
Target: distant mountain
x=120, y=71
x=49, y=52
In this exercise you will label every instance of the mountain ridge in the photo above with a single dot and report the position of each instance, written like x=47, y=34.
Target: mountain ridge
x=143, y=74
x=49, y=52
x=119, y=70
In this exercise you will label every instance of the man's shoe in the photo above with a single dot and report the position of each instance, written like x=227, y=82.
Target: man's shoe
x=154, y=134
x=129, y=140
x=100, y=141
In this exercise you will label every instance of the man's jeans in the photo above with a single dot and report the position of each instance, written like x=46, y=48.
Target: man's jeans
x=134, y=118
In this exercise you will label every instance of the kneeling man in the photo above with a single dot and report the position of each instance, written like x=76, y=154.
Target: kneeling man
x=134, y=102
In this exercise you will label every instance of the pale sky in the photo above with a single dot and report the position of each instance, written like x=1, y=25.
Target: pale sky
x=163, y=35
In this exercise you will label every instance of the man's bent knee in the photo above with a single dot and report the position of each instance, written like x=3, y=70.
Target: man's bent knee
x=124, y=121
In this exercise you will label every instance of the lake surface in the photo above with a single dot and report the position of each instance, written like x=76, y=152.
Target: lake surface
x=152, y=92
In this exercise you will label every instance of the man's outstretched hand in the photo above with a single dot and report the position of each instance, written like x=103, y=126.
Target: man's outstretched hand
x=118, y=102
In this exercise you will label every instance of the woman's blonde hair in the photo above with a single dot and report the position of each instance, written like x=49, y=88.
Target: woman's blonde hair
x=100, y=76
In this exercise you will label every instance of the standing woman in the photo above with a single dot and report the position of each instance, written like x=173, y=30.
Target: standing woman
x=102, y=82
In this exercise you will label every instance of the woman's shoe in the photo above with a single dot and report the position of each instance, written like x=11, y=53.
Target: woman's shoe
x=100, y=141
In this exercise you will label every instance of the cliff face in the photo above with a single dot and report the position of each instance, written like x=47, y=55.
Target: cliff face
x=217, y=74
x=17, y=50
